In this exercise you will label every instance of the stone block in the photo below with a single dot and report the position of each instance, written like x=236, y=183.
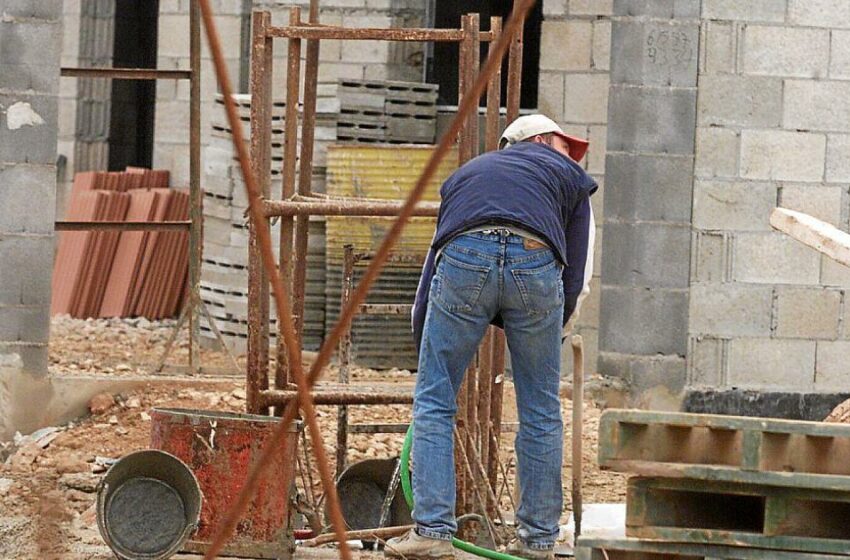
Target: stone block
x=730, y=309
x=742, y=206
x=550, y=94
x=649, y=188
x=762, y=363
x=24, y=323
x=710, y=257
x=705, y=362
x=772, y=11
x=601, y=54
x=33, y=355
x=28, y=125
x=833, y=273
x=650, y=255
x=747, y=101
x=816, y=105
x=838, y=158
x=651, y=120
x=819, y=13
x=653, y=53
x=566, y=45
x=590, y=7
x=826, y=203
x=671, y=9
x=30, y=42
x=839, y=55
x=33, y=9
x=783, y=155
x=26, y=271
x=586, y=98
x=720, y=47
x=27, y=198
x=807, y=313
x=641, y=321
x=767, y=52
x=773, y=258
x=832, y=368
x=595, y=162
x=717, y=152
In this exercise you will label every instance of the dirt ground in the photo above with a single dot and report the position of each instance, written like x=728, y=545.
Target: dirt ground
x=47, y=488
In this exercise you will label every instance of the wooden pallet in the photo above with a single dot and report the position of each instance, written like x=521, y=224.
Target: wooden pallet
x=726, y=448
x=723, y=513
x=636, y=549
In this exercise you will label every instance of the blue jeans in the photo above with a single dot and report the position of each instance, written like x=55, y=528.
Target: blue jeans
x=478, y=276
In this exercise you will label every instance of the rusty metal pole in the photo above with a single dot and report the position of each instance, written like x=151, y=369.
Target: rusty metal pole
x=196, y=199
x=514, y=75
x=494, y=94
x=290, y=153
x=258, y=285
x=344, y=359
x=496, y=396
x=473, y=65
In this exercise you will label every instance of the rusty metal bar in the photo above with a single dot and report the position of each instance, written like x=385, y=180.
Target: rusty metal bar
x=127, y=73
x=378, y=428
x=385, y=309
x=196, y=195
x=258, y=285
x=521, y=9
x=284, y=316
x=463, y=151
x=514, y=85
x=474, y=63
x=485, y=381
x=276, y=397
x=338, y=207
x=494, y=95
x=344, y=359
x=496, y=398
x=365, y=534
x=183, y=225
x=313, y=32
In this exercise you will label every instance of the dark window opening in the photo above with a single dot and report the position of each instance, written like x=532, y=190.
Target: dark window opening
x=131, y=124
x=443, y=63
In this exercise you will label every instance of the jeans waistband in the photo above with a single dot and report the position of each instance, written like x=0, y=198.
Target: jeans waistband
x=495, y=235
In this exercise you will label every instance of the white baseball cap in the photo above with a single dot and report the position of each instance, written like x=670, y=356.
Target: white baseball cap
x=528, y=126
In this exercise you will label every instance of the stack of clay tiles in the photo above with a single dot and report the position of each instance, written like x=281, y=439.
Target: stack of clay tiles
x=122, y=274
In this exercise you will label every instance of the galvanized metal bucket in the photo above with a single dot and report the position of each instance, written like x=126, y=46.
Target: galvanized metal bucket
x=148, y=505
x=362, y=488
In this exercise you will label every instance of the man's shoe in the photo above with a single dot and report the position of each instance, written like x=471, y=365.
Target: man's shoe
x=413, y=546
x=519, y=548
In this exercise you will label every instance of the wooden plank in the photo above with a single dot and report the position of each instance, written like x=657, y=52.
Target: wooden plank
x=817, y=234
x=637, y=549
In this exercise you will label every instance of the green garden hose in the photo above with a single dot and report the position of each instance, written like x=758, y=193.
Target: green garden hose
x=407, y=489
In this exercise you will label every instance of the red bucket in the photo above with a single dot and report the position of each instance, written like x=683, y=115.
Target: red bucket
x=221, y=448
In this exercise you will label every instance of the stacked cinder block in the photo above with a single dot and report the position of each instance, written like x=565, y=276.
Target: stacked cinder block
x=765, y=312
x=726, y=487
x=392, y=112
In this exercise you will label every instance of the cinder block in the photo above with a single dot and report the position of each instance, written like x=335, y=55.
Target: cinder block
x=25, y=274
x=761, y=363
x=705, y=361
x=655, y=381
x=736, y=205
x=782, y=155
x=641, y=321
x=730, y=309
x=807, y=313
x=555, y=9
x=173, y=35
x=839, y=55
x=42, y=78
x=586, y=98
x=366, y=52
x=748, y=101
x=753, y=10
x=767, y=52
x=651, y=255
x=550, y=96
x=819, y=13
x=591, y=7
x=649, y=188
x=710, y=257
x=717, y=152
x=566, y=45
x=33, y=355
x=30, y=42
x=24, y=323
x=595, y=162
x=34, y=143
x=838, y=158
x=833, y=273
x=654, y=53
x=832, y=368
x=601, y=53
x=651, y=120
x=825, y=203
x=33, y=9
x=720, y=47
x=816, y=105
x=773, y=258
x=27, y=198
x=671, y=9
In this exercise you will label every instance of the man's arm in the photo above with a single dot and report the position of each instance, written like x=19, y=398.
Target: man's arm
x=581, y=233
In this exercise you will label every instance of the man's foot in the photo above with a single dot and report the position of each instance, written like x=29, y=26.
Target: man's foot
x=519, y=548
x=413, y=546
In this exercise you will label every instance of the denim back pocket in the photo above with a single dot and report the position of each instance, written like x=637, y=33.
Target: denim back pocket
x=541, y=288
x=459, y=284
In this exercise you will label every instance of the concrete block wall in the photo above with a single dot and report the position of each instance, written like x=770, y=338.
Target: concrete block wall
x=31, y=39
x=573, y=90
x=773, y=128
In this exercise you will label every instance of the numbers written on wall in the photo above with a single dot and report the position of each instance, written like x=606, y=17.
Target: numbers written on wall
x=667, y=47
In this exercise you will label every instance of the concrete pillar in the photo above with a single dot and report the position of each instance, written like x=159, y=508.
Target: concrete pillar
x=30, y=40
x=648, y=197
